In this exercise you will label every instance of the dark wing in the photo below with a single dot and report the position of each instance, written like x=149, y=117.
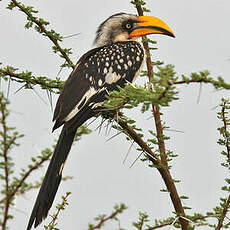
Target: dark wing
x=99, y=71
x=75, y=87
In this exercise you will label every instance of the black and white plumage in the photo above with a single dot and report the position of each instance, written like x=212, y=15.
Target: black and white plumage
x=100, y=71
x=116, y=60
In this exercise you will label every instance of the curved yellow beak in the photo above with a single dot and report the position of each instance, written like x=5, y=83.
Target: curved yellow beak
x=150, y=25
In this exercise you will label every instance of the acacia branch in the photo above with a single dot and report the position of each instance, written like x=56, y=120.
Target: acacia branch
x=225, y=130
x=30, y=80
x=223, y=214
x=159, y=226
x=6, y=163
x=226, y=204
x=43, y=29
x=45, y=155
x=218, y=84
x=103, y=218
x=7, y=142
x=24, y=177
x=164, y=171
x=193, y=219
x=160, y=167
x=59, y=207
x=132, y=133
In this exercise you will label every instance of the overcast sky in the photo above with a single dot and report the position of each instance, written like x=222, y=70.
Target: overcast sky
x=100, y=179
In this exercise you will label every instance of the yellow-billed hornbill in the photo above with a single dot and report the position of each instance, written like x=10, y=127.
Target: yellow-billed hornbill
x=116, y=60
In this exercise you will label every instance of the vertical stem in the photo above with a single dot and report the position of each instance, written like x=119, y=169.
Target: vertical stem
x=164, y=171
x=159, y=129
x=227, y=202
x=225, y=128
x=5, y=151
x=223, y=214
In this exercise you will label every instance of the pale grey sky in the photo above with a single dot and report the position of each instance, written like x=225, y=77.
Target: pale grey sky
x=100, y=179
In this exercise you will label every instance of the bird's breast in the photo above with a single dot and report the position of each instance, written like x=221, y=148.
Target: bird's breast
x=121, y=60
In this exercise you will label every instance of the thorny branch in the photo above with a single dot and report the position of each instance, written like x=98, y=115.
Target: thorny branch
x=61, y=206
x=44, y=31
x=8, y=140
x=18, y=185
x=216, y=83
x=226, y=204
x=29, y=80
x=24, y=177
x=103, y=219
x=141, y=223
x=101, y=223
x=194, y=220
x=162, y=162
x=164, y=171
x=6, y=164
x=132, y=133
x=223, y=214
x=225, y=129
x=45, y=155
x=157, y=162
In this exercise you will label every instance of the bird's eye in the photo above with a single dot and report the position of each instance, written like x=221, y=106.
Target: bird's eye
x=128, y=26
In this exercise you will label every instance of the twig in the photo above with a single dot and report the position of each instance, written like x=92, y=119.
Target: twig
x=45, y=31
x=159, y=226
x=8, y=141
x=226, y=204
x=104, y=219
x=30, y=80
x=24, y=177
x=218, y=84
x=193, y=220
x=223, y=214
x=6, y=164
x=225, y=129
x=59, y=207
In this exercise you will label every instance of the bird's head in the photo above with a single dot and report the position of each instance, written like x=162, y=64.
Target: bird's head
x=126, y=27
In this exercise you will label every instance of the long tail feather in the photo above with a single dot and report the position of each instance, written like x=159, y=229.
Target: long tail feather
x=52, y=178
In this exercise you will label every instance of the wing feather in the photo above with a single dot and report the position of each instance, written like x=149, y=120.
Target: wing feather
x=98, y=72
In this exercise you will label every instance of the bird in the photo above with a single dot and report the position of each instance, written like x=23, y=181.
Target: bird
x=116, y=60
